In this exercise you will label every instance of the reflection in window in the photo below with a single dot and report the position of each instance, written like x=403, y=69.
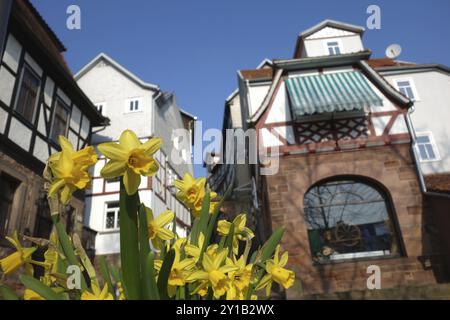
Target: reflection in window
x=112, y=221
x=28, y=94
x=347, y=219
x=60, y=120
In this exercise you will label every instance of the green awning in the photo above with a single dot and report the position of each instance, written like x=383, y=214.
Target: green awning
x=333, y=92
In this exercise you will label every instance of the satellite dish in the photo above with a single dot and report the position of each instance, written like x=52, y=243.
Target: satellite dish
x=393, y=51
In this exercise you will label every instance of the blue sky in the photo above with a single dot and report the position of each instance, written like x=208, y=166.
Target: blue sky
x=195, y=47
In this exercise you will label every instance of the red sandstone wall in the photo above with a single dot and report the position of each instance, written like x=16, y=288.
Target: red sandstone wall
x=392, y=167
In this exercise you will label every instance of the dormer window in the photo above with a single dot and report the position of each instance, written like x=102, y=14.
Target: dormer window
x=333, y=48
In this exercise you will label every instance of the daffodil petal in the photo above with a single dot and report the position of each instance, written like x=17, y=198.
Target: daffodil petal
x=113, y=151
x=129, y=140
x=113, y=169
x=165, y=218
x=151, y=146
x=131, y=182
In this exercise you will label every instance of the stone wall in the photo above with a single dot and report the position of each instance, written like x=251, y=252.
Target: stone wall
x=391, y=167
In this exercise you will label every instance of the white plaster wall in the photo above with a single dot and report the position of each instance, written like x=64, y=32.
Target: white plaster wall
x=12, y=52
x=7, y=80
x=432, y=113
x=280, y=111
x=257, y=93
x=317, y=47
x=104, y=83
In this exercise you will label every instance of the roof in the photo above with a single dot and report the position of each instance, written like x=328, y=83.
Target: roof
x=387, y=62
x=58, y=43
x=414, y=67
x=257, y=74
x=325, y=23
x=117, y=66
x=318, y=62
x=333, y=24
x=30, y=28
x=187, y=114
x=439, y=183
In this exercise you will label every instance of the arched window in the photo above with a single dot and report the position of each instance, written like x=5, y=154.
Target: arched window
x=349, y=219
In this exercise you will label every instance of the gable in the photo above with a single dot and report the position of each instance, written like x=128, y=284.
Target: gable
x=329, y=32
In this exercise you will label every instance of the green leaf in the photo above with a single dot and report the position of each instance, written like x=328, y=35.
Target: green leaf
x=204, y=216
x=40, y=288
x=129, y=243
x=164, y=274
x=229, y=241
x=104, y=270
x=66, y=245
x=149, y=277
x=7, y=294
x=85, y=259
x=144, y=250
x=269, y=247
x=195, y=232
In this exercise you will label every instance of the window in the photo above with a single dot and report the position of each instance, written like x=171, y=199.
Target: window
x=348, y=219
x=60, y=120
x=407, y=88
x=133, y=105
x=112, y=216
x=426, y=147
x=28, y=94
x=101, y=107
x=333, y=48
x=8, y=188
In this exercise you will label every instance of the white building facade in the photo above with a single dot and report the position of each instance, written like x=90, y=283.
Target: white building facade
x=130, y=103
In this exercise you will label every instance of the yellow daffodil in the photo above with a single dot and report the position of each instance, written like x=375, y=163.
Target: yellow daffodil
x=121, y=291
x=70, y=169
x=181, y=269
x=31, y=295
x=241, y=232
x=19, y=258
x=214, y=272
x=192, y=192
x=96, y=294
x=242, y=275
x=276, y=272
x=194, y=251
x=157, y=230
x=130, y=158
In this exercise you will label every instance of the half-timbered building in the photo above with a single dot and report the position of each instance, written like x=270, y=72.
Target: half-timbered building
x=39, y=100
x=344, y=181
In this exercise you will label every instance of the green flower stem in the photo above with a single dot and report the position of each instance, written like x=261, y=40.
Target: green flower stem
x=67, y=246
x=129, y=243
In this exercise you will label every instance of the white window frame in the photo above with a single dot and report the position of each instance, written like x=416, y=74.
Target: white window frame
x=103, y=104
x=430, y=136
x=339, y=42
x=140, y=105
x=116, y=217
x=411, y=84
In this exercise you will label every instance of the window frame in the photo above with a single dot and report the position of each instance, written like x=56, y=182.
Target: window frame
x=390, y=210
x=140, y=101
x=52, y=126
x=4, y=228
x=103, y=104
x=29, y=68
x=411, y=85
x=433, y=144
x=339, y=45
x=116, y=216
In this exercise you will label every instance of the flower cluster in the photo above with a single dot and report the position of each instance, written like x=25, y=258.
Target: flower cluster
x=155, y=262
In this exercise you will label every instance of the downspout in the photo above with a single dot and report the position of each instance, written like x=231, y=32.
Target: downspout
x=412, y=133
